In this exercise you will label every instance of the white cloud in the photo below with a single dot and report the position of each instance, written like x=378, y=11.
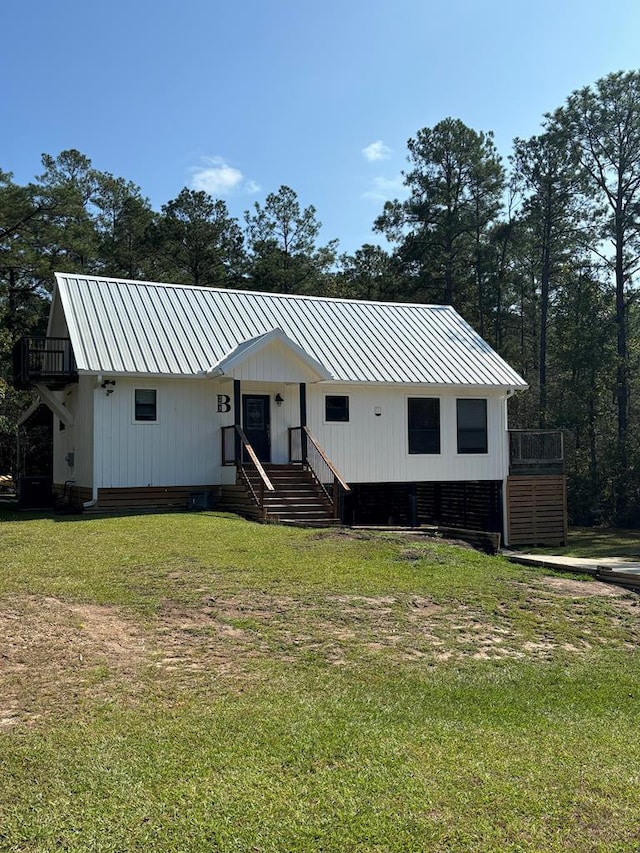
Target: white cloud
x=218, y=178
x=376, y=151
x=385, y=189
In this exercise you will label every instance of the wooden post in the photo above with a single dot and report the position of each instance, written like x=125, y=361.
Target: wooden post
x=303, y=422
x=237, y=416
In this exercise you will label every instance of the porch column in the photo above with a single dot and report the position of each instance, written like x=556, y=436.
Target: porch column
x=237, y=414
x=303, y=421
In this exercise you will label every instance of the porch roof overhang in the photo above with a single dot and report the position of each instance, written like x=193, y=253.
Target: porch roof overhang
x=231, y=363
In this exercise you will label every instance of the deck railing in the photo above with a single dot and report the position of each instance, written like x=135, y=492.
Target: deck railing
x=530, y=449
x=45, y=360
x=305, y=449
x=237, y=451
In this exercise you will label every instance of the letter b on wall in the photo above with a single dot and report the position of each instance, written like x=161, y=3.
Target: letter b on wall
x=224, y=403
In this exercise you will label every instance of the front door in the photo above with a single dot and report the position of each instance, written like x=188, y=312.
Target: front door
x=256, y=424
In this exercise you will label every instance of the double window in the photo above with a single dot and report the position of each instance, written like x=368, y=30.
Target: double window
x=472, y=426
x=424, y=424
x=423, y=419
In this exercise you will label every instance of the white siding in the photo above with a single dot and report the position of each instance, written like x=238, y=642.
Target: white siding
x=372, y=448
x=182, y=448
x=76, y=439
x=57, y=323
x=274, y=363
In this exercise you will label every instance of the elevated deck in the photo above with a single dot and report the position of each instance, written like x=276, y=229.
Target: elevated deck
x=43, y=361
x=536, y=451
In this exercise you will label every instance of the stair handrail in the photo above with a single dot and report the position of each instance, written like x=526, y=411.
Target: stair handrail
x=314, y=457
x=343, y=485
x=236, y=458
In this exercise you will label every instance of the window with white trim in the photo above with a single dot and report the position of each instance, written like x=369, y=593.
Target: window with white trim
x=145, y=405
x=336, y=408
x=472, y=426
x=423, y=420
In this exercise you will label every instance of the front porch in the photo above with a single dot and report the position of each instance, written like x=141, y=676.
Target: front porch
x=308, y=490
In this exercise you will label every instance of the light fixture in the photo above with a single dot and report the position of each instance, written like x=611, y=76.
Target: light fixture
x=279, y=399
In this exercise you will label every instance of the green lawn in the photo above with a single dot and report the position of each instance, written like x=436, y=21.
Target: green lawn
x=602, y=542
x=194, y=682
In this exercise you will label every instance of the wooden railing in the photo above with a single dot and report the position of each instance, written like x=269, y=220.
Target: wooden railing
x=45, y=360
x=305, y=449
x=237, y=451
x=542, y=448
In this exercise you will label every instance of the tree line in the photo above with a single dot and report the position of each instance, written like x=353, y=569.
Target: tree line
x=539, y=253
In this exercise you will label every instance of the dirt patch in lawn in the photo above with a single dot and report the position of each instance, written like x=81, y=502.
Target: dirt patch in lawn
x=578, y=588
x=56, y=656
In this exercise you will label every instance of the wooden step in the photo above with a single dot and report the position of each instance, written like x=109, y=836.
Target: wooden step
x=297, y=498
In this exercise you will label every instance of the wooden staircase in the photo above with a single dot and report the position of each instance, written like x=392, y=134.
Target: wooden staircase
x=296, y=499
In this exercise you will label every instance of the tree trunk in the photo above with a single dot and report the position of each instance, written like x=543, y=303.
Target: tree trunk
x=622, y=372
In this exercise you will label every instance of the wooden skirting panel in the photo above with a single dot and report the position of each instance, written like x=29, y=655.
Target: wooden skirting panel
x=235, y=498
x=473, y=505
x=537, y=510
x=149, y=497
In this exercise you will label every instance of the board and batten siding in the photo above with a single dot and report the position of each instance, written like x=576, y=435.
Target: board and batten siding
x=76, y=439
x=275, y=363
x=371, y=448
x=183, y=446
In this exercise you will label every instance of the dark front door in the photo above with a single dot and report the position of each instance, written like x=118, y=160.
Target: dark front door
x=256, y=425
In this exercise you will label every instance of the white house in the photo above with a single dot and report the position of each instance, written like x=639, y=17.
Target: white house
x=403, y=407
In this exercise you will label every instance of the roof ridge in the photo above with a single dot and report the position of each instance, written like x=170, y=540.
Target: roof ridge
x=293, y=296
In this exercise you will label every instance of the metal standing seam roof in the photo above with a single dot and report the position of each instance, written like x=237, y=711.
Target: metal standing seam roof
x=136, y=327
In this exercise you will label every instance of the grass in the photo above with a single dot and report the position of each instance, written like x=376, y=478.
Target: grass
x=599, y=542
x=200, y=683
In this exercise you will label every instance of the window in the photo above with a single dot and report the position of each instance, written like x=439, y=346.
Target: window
x=424, y=424
x=146, y=405
x=472, y=426
x=336, y=408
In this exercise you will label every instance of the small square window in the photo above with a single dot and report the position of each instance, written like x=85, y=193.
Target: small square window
x=146, y=404
x=336, y=408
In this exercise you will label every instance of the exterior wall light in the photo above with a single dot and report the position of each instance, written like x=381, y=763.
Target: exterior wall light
x=279, y=399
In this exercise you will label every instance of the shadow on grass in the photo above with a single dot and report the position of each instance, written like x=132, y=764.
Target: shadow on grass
x=9, y=513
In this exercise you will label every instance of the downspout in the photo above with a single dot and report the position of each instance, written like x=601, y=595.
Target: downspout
x=94, y=496
x=94, y=483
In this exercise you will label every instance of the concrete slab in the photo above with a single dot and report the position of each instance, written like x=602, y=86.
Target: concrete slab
x=608, y=569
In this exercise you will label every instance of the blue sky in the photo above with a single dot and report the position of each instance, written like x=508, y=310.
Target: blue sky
x=241, y=97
